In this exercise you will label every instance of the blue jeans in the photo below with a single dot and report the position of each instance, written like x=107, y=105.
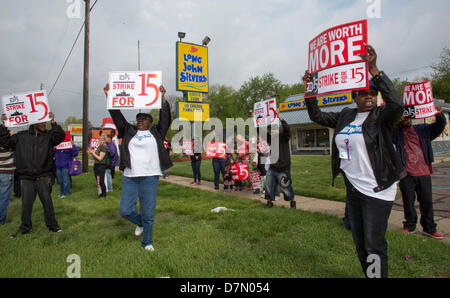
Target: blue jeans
x=219, y=167
x=369, y=221
x=6, y=183
x=146, y=188
x=279, y=179
x=108, y=180
x=64, y=181
x=196, y=170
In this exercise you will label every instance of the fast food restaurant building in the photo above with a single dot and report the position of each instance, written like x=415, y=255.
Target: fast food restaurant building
x=308, y=137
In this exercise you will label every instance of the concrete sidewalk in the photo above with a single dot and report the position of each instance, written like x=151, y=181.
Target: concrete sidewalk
x=337, y=208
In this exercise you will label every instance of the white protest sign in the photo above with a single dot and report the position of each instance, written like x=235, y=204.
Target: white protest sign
x=334, y=62
x=418, y=101
x=64, y=146
x=265, y=112
x=134, y=90
x=26, y=108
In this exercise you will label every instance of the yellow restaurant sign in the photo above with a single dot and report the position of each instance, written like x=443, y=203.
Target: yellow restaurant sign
x=76, y=129
x=195, y=96
x=193, y=111
x=192, y=67
x=323, y=101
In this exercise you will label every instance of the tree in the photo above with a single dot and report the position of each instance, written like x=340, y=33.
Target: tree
x=74, y=120
x=223, y=103
x=441, y=76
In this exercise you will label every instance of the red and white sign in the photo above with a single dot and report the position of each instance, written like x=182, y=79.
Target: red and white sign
x=263, y=147
x=418, y=101
x=265, y=112
x=26, y=108
x=108, y=123
x=216, y=150
x=333, y=60
x=255, y=178
x=94, y=143
x=166, y=144
x=239, y=171
x=134, y=90
x=66, y=144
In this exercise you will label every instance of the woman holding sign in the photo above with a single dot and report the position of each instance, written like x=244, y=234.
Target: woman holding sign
x=363, y=151
x=100, y=164
x=143, y=157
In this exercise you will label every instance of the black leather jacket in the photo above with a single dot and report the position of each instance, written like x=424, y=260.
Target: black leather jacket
x=377, y=131
x=34, y=152
x=128, y=131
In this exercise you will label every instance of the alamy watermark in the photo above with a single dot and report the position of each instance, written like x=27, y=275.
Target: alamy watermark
x=374, y=9
x=74, y=269
x=73, y=11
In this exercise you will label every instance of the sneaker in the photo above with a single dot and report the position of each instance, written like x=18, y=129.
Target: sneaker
x=149, y=248
x=198, y=183
x=269, y=204
x=139, y=230
x=293, y=204
x=193, y=182
x=434, y=235
x=62, y=197
x=216, y=187
x=277, y=197
x=55, y=230
x=408, y=231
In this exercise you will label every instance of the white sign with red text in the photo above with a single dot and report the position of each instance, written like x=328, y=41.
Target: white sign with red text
x=265, y=112
x=333, y=60
x=64, y=146
x=255, y=178
x=26, y=108
x=418, y=101
x=94, y=143
x=134, y=90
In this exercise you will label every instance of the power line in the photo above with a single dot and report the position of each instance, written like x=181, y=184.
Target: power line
x=70, y=52
x=410, y=70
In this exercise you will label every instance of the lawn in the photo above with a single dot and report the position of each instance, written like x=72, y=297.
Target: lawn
x=191, y=241
x=311, y=176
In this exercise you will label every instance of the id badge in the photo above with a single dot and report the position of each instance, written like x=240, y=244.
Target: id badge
x=344, y=153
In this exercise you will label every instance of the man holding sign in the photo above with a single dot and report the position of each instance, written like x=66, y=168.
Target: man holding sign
x=413, y=142
x=35, y=166
x=143, y=157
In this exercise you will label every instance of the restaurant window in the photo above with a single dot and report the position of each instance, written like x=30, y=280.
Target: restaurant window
x=313, y=138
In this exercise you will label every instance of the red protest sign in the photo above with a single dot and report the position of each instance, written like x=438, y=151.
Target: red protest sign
x=94, y=143
x=239, y=171
x=255, y=178
x=333, y=60
x=418, y=101
x=216, y=150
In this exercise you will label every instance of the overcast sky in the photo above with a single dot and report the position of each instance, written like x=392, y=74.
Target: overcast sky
x=248, y=38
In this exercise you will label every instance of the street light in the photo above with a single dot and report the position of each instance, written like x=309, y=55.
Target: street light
x=206, y=40
x=181, y=35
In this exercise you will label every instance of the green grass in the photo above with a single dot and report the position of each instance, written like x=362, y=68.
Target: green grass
x=190, y=241
x=311, y=176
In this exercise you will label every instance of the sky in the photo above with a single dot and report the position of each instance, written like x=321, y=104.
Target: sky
x=248, y=38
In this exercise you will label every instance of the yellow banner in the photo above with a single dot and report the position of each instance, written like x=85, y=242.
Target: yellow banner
x=78, y=129
x=323, y=101
x=192, y=67
x=193, y=111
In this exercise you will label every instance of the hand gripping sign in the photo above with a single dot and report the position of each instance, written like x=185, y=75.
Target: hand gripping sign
x=418, y=101
x=239, y=171
x=134, y=90
x=26, y=108
x=264, y=112
x=333, y=60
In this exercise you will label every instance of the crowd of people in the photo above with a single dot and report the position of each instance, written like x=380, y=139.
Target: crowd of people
x=373, y=147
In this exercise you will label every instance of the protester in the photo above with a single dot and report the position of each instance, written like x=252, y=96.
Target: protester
x=363, y=151
x=35, y=166
x=219, y=167
x=279, y=172
x=7, y=169
x=413, y=142
x=115, y=141
x=113, y=162
x=142, y=159
x=100, y=164
x=63, y=159
x=196, y=162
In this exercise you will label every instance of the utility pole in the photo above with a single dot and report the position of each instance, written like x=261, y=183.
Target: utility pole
x=139, y=59
x=85, y=158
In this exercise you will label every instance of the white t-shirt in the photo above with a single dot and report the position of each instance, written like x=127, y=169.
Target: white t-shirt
x=355, y=161
x=144, y=156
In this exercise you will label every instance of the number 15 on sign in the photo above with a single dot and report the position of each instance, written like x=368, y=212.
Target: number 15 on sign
x=134, y=90
x=26, y=108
